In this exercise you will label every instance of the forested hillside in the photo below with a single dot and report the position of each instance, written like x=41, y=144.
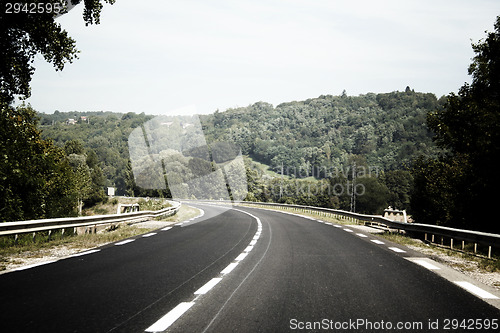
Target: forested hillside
x=389, y=130
x=315, y=143
x=102, y=133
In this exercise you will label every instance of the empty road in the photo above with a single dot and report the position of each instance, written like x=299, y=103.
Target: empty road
x=243, y=270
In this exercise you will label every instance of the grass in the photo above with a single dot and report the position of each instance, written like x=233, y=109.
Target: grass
x=27, y=247
x=483, y=264
x=184, y=213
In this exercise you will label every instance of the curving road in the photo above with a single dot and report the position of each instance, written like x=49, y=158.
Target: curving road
x=243, y=270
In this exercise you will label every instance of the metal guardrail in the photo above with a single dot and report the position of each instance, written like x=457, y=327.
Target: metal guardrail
x=33, y=226
x=428, y=231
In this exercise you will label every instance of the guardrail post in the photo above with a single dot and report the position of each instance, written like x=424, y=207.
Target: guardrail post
x=489, y=252
x=451, y=243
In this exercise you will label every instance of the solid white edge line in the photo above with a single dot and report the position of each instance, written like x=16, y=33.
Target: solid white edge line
x=125, y=242
x=475, y=290
x=209, y=285
x=229, y=268
x=164, y=322
x=22, y=268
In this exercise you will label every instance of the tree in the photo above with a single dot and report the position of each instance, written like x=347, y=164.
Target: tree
x=35, y=177
x=74, y=147
x=82, y=179
x=24, y=35
x=468, y=128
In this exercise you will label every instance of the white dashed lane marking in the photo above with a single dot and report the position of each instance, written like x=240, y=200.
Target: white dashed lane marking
x=229, y=268
x=164, y=322
x=125, y=242
x=475, y=290
x=424, y=263
x=241, y=256
x=396, y=249
x=209, y=285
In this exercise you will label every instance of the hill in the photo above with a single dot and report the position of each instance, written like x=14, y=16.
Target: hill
x=310, y=141
x=389, y=130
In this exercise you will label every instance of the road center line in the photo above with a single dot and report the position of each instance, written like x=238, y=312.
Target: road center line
x=241, y=256
x=229, y=268
x=164, y=322
x=209, y=285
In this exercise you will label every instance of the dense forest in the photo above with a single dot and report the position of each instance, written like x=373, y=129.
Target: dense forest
x=298, y=152
x=389, y=130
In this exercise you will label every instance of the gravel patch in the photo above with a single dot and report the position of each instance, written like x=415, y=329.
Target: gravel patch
x=468, y=267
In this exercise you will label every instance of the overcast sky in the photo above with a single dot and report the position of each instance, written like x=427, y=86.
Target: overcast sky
x=155, y=56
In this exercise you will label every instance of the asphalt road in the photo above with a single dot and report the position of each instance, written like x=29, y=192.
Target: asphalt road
x=242, y=270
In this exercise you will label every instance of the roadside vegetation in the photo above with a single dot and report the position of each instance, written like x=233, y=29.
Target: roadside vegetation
x=460, y=260
x=26, y=249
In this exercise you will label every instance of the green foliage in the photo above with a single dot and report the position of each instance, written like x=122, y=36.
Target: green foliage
x=388, y=129
x=35, y=177
x=457, y=188
x=24, y=35
x=102, y=138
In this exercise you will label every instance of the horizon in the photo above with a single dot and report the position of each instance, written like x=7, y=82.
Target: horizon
x=231, y=108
